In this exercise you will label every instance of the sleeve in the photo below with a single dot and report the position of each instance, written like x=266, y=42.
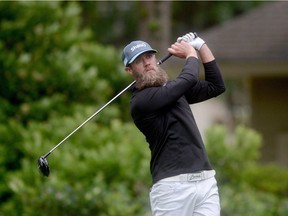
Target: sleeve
x=155, y=98
x=212, y=86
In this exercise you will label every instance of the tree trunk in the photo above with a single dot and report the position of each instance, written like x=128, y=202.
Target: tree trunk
x=155, y=24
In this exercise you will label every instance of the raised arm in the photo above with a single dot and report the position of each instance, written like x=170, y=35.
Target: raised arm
x=213, y=85
x=199, y=44
x=205, y=54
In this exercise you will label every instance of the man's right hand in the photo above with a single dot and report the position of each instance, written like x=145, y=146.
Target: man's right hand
x=182, y=49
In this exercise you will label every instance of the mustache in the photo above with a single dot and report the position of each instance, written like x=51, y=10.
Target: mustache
x=156, y=79
x=150, y=68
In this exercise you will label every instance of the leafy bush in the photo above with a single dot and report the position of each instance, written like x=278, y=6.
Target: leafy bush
x=246, y=187
x=49, y=66
x=52, y=77
x=103, y=170
x=48, y=60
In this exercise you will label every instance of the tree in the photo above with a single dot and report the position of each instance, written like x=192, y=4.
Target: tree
x=155, y=23
x=53, y=76
x=49, y=69
x=159, y=22
x=46, y=60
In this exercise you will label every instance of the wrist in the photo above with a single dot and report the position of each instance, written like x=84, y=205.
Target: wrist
x=191, y=55
x=197, y=43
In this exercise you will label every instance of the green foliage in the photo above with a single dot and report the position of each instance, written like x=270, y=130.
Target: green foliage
x=46, y=61
x=230, y=156
x=112, y=22
x=10, y=154
x=246, y=187
x=104, y=170
x=269, y=178
x=247, y=201
x=53, y=77
x=117, y=22
x=48, y=67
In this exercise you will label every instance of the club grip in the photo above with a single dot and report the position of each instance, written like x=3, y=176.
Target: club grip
x=164, y=59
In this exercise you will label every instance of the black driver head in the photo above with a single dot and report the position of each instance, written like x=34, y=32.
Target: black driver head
x=43, y=166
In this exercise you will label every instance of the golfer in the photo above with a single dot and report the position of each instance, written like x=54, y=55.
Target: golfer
x=183, y=178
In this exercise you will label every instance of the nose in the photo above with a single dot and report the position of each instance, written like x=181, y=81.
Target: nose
x=146, y=62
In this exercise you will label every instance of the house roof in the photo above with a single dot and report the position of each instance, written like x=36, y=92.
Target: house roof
x=259, y=35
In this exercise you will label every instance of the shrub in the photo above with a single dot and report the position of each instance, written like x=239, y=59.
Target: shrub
x=246, y=187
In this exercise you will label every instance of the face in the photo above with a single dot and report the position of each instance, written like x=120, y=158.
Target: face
x=146, y=71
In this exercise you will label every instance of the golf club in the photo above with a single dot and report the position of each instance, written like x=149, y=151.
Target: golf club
x=42, y=161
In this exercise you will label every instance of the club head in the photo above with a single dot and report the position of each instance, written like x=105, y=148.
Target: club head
x=43, y=166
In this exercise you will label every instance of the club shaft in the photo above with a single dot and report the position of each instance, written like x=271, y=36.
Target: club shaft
x=103, y=107
x=164, y=59
x=92, y=116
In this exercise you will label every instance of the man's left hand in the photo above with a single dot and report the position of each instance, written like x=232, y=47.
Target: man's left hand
x=193, y=39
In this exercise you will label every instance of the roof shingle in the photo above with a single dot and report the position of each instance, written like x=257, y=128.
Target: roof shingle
x=261, y=34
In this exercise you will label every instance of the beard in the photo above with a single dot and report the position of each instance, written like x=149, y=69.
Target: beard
x=158, y=77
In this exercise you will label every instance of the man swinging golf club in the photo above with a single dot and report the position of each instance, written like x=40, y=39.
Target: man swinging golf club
x=183, y=179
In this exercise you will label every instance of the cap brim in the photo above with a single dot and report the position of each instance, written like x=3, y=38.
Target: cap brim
x=138, y=54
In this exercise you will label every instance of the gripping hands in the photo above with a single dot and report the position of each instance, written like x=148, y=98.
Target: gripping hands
x=193, y=39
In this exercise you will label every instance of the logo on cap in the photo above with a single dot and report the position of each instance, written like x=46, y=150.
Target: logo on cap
x=138, y=46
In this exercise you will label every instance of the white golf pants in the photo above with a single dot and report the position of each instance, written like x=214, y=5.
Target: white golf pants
x=185, y=198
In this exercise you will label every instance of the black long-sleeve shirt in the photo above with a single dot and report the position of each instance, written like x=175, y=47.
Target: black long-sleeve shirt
x=164, y=116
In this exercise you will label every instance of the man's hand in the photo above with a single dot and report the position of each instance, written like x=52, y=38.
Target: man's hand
x=193, y=39
x=182, y=49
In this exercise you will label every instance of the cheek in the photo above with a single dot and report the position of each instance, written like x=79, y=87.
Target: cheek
x=138, y=69
x=137, y=73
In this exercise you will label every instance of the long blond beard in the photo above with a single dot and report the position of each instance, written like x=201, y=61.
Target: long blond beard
x=144, y=80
